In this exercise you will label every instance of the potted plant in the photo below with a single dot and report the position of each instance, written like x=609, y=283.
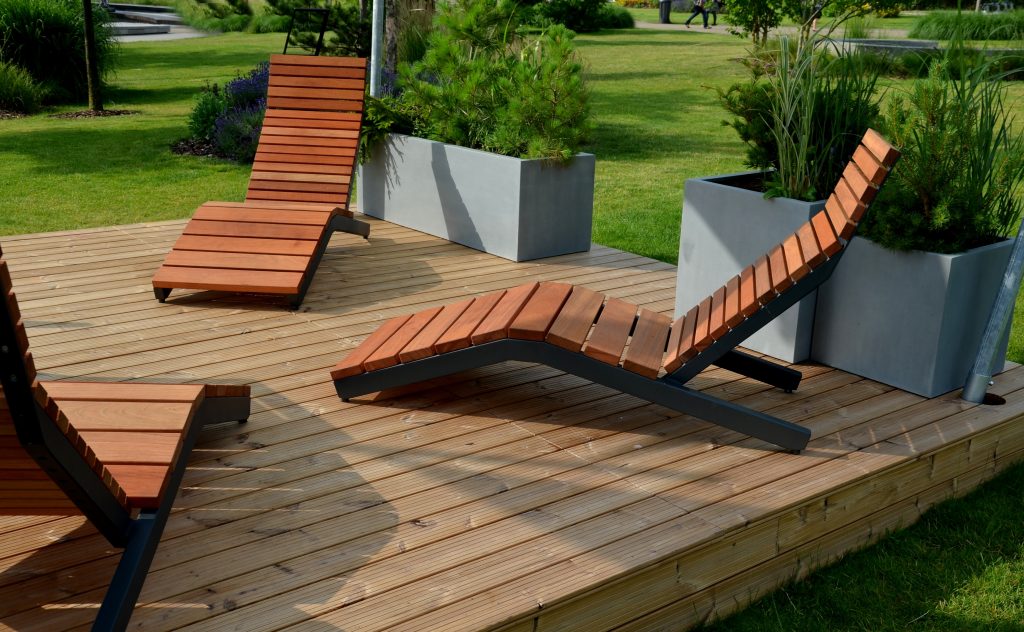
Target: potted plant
x=801, y=114
x=481, y=143
x=909, y=303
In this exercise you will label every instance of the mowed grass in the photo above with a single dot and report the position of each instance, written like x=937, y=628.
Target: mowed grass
x=657, y=122
x=57, y=174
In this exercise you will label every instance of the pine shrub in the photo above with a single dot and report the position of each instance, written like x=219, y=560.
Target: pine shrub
x=487, y=82
x=958, y=183
x=47, y=38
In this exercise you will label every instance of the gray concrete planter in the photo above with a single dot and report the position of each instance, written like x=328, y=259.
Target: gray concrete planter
x=513, y=208
x=912, y=320
x=725, y=227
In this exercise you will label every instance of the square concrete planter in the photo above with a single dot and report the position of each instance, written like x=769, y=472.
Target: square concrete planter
x=727, y=224
x=912, y=320
x=516, y=209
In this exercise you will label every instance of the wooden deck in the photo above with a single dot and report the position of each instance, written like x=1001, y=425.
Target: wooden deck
x=514, y=498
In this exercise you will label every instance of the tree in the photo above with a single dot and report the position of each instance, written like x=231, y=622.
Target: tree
x=754, y=18
x=91, y=59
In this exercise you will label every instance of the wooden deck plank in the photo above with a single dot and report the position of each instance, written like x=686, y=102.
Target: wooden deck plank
x=497, y=488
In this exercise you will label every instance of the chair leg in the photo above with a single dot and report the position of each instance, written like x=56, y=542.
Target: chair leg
x=161, y=293
x=218, y=410
x=761, y=370
x=117, y=606
x=350, y=225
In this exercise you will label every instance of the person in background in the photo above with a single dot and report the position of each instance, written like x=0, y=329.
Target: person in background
x=664, y=11
x=815, y=15
x=713, y=8
x=698, y=9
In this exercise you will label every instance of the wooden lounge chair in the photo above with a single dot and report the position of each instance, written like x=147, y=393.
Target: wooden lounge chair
x=298, y=191
x=584, y=333
x=113, y=452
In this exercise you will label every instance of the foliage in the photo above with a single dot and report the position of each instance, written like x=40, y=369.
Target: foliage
x=945, y=25
x=231, y=16
x=859, y=27
x=801, y=114
x=1004, y=65
x=19, y=92
x=47, y=38
x=232, y=118
x=754, y=18
x=486, y=83
x=582, y=16
x=638, y=4
x=958, y=184
x=347, y=35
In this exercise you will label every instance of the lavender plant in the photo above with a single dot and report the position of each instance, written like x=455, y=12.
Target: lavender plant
x=231, y=119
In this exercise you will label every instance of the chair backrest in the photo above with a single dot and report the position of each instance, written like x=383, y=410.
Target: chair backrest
x=788, y=271
x=310, y=137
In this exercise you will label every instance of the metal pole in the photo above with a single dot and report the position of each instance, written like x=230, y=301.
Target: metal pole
x=980, y=377
x=375, y=45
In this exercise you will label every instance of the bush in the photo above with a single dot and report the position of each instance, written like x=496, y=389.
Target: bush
x=638, y=4
x=19, y=92
x=802, y=114
x=47, y=38
x=947, y=25
x=958, y=184
x=486, y=83
x=232, y=118
x=615, y=17
x=582, y=16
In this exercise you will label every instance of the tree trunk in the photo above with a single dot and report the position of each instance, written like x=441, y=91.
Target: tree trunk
x=91, y=62
x=362, y=10
x=392, y=10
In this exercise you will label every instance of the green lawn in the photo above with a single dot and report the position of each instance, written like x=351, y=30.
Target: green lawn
x=657, y=123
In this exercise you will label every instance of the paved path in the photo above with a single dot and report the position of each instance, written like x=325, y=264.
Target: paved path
x=176, y=33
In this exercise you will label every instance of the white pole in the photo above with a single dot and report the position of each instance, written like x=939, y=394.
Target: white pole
x=375, y=46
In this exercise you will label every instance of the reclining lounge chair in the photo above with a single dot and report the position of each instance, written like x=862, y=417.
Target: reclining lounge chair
x=298, y=191
x=113, y=452
x=584, y=333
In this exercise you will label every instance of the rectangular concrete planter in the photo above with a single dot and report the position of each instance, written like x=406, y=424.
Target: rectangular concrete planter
x=725, y=227
x=516, y=209
x=912, y=320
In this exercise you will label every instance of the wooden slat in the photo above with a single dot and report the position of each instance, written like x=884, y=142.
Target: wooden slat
x=748, y=293
x=763, y=285
x=611, y=331
x=702, y=330
x=716, y=323
x=133, y=448
x=267, y=282
x=142, y=485
x=253, y=230
x=682, y=350
x=303, y=132
x=795, y=264
x=575, y=319
x=869, y=166
x=122, y=392
x=824, y=233
x=330, y=73
x=276, y=186
x=316, y=82
x=809, y=250
x=314, y=104
x=733, y=314
x=540, y=312
x=305, y=173
x=459, y=335
x=236, y=261
x=859, y=186
x=842, y=225
x=779, y=272
x=305, y=92
x=217, y=212
x=387, y=354
x=257, y=194
x=422, y=346
x=127, y=415
x=880, y=148
x=647, y=345
x=495, y=325
x=352, y=364
x=291, y=247
x=283, y=165
x=316, y=61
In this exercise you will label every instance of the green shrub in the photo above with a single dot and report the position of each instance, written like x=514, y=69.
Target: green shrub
x=486, y=82
x=47, y=38
x=958, y=184
x=946, y=25
x=582, y=16
x=19, y=92
x=615, y=17
x=210, y=104
x=231, y=119
x=638, y=4
x=802, y=114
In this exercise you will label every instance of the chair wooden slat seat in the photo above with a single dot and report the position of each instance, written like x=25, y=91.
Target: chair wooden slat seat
x=619, y=344
x=114, y=452
x=298, y=192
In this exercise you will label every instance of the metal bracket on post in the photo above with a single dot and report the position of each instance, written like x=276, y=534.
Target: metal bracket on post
x=980, y=377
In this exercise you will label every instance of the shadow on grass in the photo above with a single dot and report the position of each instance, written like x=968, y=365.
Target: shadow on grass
x=959, y=568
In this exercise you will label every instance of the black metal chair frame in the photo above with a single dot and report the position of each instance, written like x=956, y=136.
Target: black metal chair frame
x=669, y=390
x=53, y=452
